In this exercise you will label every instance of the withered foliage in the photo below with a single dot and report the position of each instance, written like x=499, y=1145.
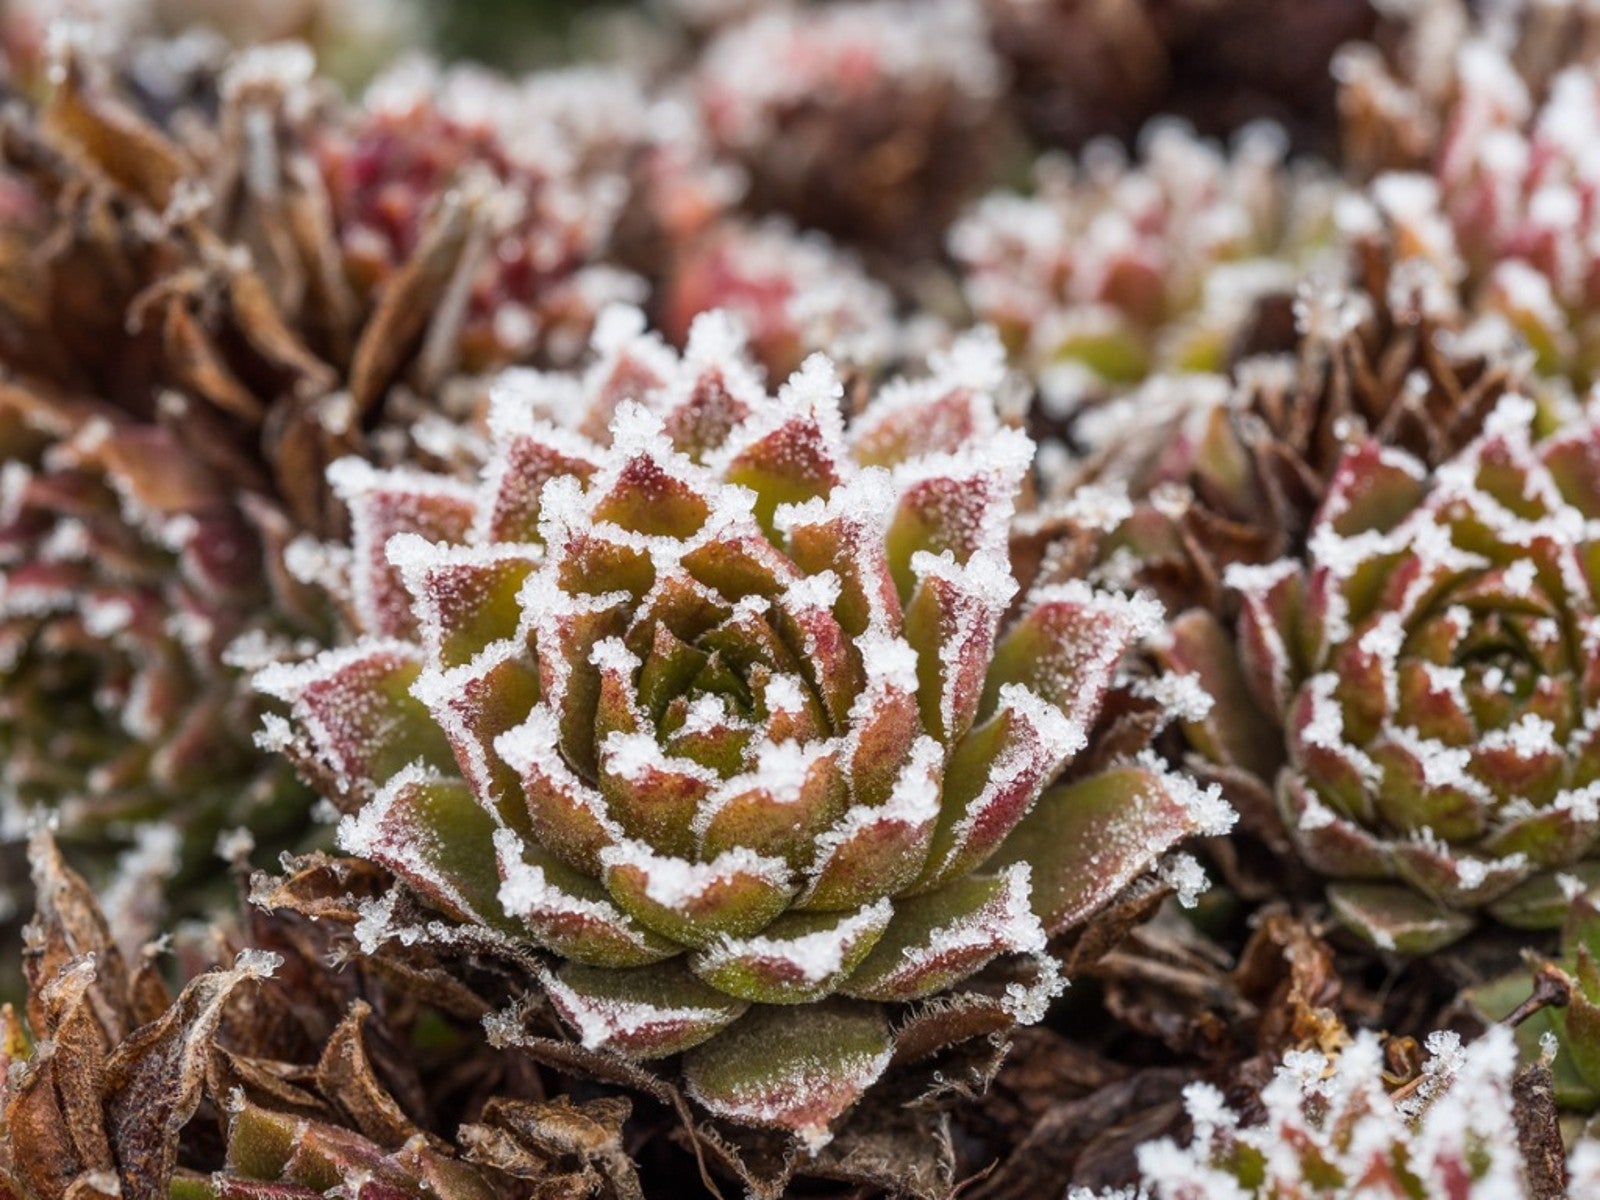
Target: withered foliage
x=272, y=1073
x=191, y=277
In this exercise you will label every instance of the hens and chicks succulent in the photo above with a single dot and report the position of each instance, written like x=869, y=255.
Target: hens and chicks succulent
x=764, y=719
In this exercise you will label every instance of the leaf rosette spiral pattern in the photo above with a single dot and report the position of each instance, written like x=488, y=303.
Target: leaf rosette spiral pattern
x=1433, y=666
x=715, y=700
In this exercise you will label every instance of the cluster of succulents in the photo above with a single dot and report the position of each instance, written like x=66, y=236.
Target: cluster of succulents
x=924, y=598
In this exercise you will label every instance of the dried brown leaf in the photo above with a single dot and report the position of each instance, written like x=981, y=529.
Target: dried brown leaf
x=1094, y=1128
x=68, y=927
x=413, y=297
x=55, y=1126
x=154, y=1080
x=345, y=1076
x=563, y=1149
x=115, y=139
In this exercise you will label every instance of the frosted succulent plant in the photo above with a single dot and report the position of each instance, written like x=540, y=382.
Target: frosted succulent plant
x=1225, y=470
x=1399, y=96
x=1114, y=270
x=157, y=38
x=587, y=182
x=794, y=292
x=708, y=697
x=1431, y=666
x=1498, y=201
x=540, y=211
x=1334, y=1131
x=875, y=122
x=127, y=572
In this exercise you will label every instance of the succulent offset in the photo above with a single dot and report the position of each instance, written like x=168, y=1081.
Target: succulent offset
x=1431, y=667
x=709, y=697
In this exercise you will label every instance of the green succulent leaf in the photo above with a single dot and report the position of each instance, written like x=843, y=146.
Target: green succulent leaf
x=1086, y=841
x=1396, y=918
x=794, y=1068
x=646, y=1012
x=705, y=703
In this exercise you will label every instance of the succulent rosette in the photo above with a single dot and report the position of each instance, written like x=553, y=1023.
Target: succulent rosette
x=1431, y=665
x=129, y=574
x=1114, y=269
x=709, y=697
x=1498, y=184
x=537, y=204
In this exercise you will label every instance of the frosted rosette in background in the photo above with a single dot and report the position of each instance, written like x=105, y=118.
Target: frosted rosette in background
x=1479, y=149
x=1431, y=666
x=873, y=122
x=792, y=290
x=1115, y=269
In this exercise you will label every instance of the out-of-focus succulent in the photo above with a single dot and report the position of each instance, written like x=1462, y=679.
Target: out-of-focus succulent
x=709, y=699
x=127, y=573
x=1431, y=666
x=551, y=166
x=1223, y=470
x=1114, y=270
x=141, y=535
x=312, y=280
x=151, y=39
x=875, y=122
x=794, y=292
x=1499, y=192
x=1399, y=95
x=1333, y=1130
x=1084, y=69
x=219, y=308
